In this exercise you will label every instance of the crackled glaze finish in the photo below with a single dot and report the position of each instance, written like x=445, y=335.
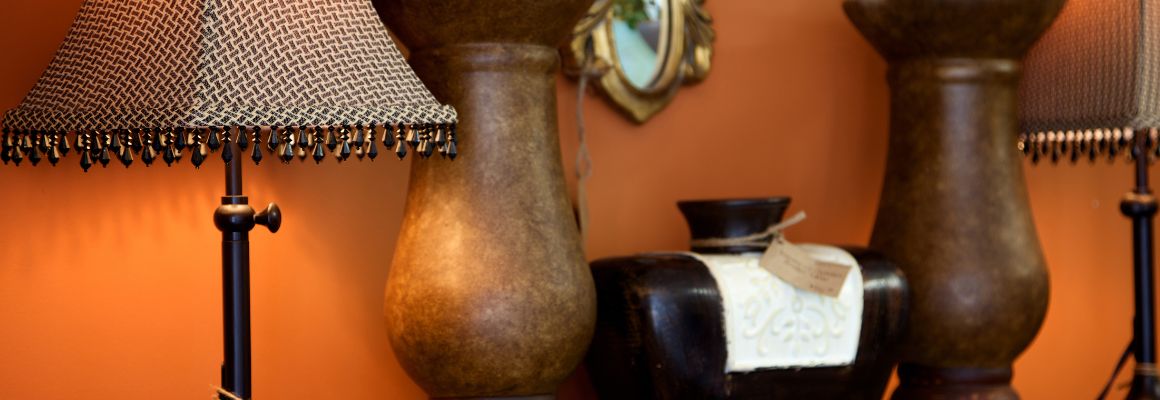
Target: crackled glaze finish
x=489, y=294
x=954, y=210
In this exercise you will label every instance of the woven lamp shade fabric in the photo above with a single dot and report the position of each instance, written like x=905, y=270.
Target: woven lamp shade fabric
x=184, y=70
x=1092, y=80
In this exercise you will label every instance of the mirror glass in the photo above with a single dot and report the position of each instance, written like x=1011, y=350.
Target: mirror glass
x=636, y=30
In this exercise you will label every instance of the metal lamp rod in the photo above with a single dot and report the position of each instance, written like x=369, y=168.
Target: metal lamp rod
x=235, y=219
x=1140, y=206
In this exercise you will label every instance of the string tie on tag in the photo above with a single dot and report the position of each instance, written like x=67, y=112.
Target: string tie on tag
x=759, y=239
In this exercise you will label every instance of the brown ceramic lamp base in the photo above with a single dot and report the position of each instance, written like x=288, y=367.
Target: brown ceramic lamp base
x=488, y=294
x=919, y=382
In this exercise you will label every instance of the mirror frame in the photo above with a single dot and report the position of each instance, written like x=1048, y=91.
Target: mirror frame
x=688, y=61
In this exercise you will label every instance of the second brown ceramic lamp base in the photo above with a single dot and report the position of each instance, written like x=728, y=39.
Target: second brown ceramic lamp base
x=954, y=209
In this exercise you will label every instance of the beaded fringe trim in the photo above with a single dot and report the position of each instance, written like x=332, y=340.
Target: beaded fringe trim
x=1088, y=144
x=172, y=144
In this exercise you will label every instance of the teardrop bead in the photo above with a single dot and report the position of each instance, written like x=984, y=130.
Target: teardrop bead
x=401, y=150
x=198, y=156
x=256, y=155
x=373, y=151
x=34, y=155
x=413, y=138
x=115, y=142
x=441, y=137
x=345, y=153
x=331, y=140
x=136, y=139
x=303, y=137
x=214, y=142
x=179, y=140
x=319, y=154
x=287, y=153
x=148, y=155
x=360, y=136
x=86, y=162
x=104, y=159
x=274, y=141
x=388, y=136
x=243, y=139
x=127, y=156
x=169, y=157
x=452, y=151
x=53, y=156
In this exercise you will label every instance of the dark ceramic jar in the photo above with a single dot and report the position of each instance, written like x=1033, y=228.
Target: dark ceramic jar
x=660, y=332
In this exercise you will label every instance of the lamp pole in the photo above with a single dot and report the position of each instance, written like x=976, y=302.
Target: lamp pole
x=1140, y=206
x=235, y=218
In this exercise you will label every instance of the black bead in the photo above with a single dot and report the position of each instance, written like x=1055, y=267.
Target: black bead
x=198, y=156
x=53, y=156
x=104, y=159
x=228, y=154
x=440, y=137
x=413, y=137
x=373, y=151
x=331, y=139
x=319, y=154
x=148, y=155
x=179, y=139
x=155, y=139
x=287, y=153
x=256, y=155
x=360, y=136
x=388, y=136
x=428, y=148
x=34, y=155
x=86, y=162
x=401, y=150
x=42, y=142
x=274, y=141
x=170, y=155
x=127, y=157
x=243, y=139
x=214, y=142
x=136, y=139
x=115, y=141
x=303, y=137
x=345, y=153
x=452, y=151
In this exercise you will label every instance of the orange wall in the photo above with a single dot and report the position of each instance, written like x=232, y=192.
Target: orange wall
x=109, y=281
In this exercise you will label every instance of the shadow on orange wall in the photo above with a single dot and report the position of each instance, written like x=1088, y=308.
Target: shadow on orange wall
x=110, y=280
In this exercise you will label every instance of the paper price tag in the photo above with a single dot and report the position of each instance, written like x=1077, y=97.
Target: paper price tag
x=795, y=266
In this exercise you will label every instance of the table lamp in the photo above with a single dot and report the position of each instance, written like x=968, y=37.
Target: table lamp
x=1091, y=91
x=181, y=79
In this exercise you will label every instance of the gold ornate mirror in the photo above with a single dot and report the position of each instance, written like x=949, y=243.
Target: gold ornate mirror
x=644, y=51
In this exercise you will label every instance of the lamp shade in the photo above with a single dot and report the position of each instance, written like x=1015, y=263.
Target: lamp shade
x=173, y=74
x=1092, y=80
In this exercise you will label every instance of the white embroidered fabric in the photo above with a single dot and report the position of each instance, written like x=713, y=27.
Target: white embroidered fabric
x=770, y=324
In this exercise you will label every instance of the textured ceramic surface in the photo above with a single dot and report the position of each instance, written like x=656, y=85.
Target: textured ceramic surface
x=489, y=294
x=954, y=210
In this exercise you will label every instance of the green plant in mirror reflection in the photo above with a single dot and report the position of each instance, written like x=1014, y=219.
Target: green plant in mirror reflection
x=631, y=12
